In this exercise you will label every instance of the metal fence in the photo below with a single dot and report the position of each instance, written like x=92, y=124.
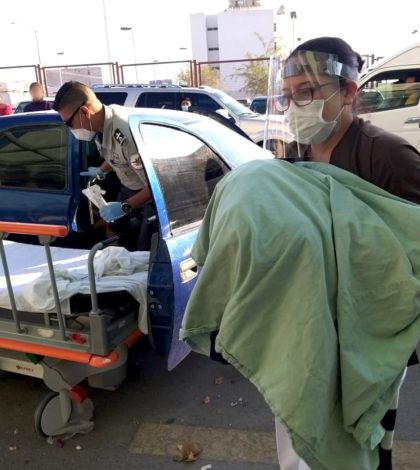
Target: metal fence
x=90, y=74
x=159, y=73
x=15, y=81
x=241, y=78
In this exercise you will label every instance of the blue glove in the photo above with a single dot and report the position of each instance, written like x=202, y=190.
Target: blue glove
x=94, y=172
x=112, y=211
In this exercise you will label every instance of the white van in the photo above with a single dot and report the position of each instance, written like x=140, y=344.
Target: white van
x=389, y=95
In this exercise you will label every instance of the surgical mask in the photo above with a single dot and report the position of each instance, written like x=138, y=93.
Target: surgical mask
x=307, y=124
x=185, y=107
x=84, y=134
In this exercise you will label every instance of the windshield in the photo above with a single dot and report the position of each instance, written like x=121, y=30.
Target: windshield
x=237, y=108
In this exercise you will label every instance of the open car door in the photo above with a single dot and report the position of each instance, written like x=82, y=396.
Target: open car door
x=182, y=172
x=39, y=180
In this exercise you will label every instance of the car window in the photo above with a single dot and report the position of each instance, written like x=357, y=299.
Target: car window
x=112, y=97
x=187, y=169
x=259, y=106
x=159, y=100
x=389, y=90
x=33, y=157
x=206, y=102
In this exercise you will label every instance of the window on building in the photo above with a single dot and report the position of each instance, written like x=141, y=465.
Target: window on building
x=34, y=157
x=187, y=170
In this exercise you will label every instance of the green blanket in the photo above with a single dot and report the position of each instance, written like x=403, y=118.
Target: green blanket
x=312, y=278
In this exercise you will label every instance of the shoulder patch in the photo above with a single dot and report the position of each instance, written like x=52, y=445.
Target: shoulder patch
x=119, y=136
x=136, y=162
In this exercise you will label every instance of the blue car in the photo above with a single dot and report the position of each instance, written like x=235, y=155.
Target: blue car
x=184, y=156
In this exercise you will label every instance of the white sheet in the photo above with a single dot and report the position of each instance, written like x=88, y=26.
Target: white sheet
x=116, y=269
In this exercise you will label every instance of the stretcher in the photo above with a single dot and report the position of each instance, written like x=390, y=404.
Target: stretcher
x=84, y=338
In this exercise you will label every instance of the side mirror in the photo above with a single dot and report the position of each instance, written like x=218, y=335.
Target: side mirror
x=225, y=113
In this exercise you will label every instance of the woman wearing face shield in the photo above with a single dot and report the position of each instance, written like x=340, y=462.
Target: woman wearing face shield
x=315, y=89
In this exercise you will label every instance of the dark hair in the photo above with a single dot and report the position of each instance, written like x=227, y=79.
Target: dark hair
x=69, y=93
x=33, y=85
x=345, y=54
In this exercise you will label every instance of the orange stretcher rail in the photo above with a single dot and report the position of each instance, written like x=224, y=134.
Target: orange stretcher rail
x=67, y=354
x=33, y=229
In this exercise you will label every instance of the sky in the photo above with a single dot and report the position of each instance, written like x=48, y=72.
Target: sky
x=161, y=27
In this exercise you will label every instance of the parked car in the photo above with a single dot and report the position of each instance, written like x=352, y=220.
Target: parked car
x=245, y=101
x=389, y=95
x=202, y=98
x=259, y=104
x=184, y=156
x=21, y=106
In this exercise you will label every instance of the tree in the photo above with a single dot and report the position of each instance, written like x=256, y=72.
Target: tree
x=254, y=74
x=209, y=77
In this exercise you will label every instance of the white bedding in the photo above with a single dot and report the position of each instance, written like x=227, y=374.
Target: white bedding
x=116, y=269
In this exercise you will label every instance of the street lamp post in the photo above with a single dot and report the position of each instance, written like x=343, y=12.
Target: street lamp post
x=130, y=28
x=293, y=17
x=106, y=31
x=154, y=70
x=59, y=68
x=38, y=50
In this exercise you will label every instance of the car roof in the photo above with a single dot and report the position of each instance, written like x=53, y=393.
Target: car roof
x=234, y=148
x=151, y=88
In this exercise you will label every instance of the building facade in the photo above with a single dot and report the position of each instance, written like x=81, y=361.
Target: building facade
x=245, y=29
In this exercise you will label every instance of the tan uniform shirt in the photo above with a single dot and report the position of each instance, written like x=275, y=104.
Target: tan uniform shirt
x=117, y=147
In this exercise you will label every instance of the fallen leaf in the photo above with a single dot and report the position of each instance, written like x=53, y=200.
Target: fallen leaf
x=206, y=400
x=218, y=380
x=187, y=452
x=59, y=443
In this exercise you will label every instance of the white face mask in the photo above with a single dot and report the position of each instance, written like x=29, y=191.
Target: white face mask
x=84, y=134
x=306, y=123
x=185, y=107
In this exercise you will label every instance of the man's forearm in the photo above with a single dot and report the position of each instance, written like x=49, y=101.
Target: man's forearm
x=106, y=167
x=140, y=199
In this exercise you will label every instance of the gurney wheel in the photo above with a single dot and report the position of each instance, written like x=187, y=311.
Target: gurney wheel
x=52, y=413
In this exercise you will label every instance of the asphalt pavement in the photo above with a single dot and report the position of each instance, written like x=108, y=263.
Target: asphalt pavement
x=140, y=425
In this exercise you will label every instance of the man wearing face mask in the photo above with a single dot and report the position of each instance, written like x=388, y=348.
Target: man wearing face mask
x=186, y=104
x=315, y=89
x=89, y=119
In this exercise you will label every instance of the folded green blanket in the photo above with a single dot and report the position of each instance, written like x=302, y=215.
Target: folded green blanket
x=312, y=278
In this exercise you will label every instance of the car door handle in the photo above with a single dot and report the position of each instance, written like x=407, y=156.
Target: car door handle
x=413, y=120
x=188, y=270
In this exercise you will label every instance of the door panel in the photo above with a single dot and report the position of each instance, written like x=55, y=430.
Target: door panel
x=182, y=173
x=391, y=99
x=39, y=181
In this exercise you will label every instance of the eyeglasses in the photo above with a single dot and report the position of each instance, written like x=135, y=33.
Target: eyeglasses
x=70, y=119
x=302, y=97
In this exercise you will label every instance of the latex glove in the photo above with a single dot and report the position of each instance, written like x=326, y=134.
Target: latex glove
x=112, y=211
x=94, y=172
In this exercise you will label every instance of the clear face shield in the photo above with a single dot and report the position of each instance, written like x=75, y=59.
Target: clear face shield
x=305, y=102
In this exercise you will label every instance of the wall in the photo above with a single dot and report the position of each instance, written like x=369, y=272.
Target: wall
x=199, y=37
x=242, y=32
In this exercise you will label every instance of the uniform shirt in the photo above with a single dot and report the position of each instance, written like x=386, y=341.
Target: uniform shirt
x=117, y=147
x=384, y=159
x=41, y=105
